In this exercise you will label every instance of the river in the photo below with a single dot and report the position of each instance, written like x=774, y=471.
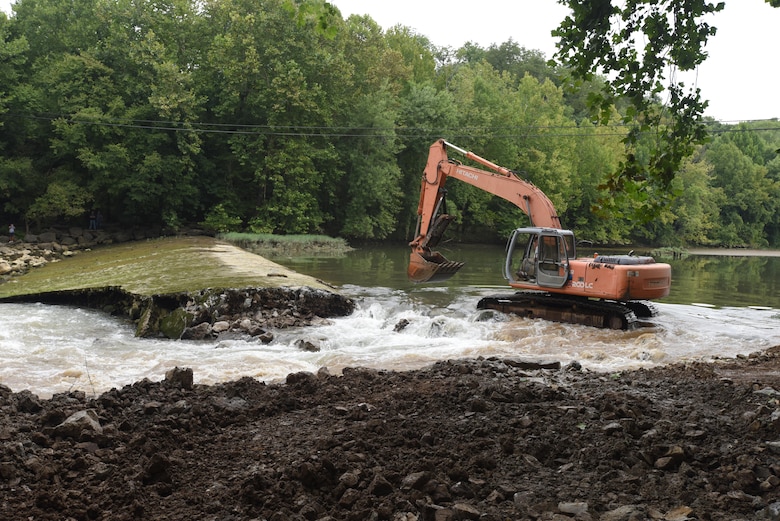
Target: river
x=719, y=306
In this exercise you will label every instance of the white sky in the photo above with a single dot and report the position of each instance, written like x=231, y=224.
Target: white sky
x=740, y=78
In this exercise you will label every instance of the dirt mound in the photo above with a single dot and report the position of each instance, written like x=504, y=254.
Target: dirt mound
x=485, y=439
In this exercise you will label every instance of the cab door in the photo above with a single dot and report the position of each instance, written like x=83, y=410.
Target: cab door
x=538, y=256
x=553, y=260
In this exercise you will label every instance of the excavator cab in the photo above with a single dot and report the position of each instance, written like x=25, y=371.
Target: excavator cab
x=539, y=256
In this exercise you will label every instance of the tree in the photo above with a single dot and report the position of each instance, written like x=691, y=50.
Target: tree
x=595, y=156
x=276, y=79
x=747, y=205
x=518, y=61
x=371, y=192
x=62, y=199
x=638, y=45
x=426, y=115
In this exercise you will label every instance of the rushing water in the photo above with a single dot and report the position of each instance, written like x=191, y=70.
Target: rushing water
x=719, y=306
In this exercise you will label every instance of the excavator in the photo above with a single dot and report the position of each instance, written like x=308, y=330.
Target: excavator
x=606, y=291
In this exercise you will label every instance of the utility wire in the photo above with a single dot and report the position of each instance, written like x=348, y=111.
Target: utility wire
x=369, y=132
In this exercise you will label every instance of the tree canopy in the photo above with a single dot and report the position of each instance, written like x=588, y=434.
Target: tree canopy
x=281, y=116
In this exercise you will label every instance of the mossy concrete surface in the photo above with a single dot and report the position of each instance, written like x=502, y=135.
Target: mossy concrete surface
x=158, y=267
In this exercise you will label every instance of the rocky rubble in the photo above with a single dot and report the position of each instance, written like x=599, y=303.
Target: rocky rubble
x=485, y=439
x=220, y=313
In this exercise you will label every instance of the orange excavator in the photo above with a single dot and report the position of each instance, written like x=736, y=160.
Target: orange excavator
x=608, y=291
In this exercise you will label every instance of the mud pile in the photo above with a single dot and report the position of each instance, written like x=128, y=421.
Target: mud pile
x=488, y=439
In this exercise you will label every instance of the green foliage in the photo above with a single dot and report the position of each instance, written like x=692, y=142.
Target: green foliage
x=282, y=117
x=371, y=190
x=748, y=204
x=599, y=36
x=62, y=199
x=219, y=220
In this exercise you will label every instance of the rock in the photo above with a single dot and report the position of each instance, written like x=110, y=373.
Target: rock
x=349, y=497
x=574, y=508
x=77, y=423
x=157, y=470
x=200, y=332
x=256, y=331
x=771, y=512
x=624, y=513
x=301, y=378
x=349, y=479
x=416, y=480
x=28, y=402
x=306, y=345
x=678, y=514
x=47, y=237
x=465, y=511
x=401, y=325
x=380, y=486
x=180, y=378
x=442, y=514
x=314, y=449
x=174, y=323
x=221, y=326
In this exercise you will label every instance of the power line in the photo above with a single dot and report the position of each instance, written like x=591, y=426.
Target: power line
x=325, y=131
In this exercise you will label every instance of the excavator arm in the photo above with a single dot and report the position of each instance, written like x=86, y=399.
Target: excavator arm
x=426, y=265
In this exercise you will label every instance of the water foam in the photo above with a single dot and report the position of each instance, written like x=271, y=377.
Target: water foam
x=49, y=349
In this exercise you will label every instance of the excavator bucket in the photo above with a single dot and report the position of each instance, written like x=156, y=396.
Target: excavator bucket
x=431, y=267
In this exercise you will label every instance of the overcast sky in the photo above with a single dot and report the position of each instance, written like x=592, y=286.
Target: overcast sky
x=740, y=78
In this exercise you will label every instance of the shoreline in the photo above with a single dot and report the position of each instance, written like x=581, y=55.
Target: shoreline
x=733, y=252
x=487, y=439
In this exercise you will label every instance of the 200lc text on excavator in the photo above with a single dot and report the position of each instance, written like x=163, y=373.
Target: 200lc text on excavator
x=608, y=291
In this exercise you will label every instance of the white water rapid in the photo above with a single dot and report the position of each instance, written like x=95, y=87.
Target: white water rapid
x=50, y=349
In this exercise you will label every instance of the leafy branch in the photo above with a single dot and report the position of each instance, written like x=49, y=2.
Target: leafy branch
x=639, y=47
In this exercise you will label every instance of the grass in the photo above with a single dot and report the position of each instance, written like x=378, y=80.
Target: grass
x=288, y=245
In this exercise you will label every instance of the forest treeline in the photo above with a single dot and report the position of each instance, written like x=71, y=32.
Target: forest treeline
x=281, y=116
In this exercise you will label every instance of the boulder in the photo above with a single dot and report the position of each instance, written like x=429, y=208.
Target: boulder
x=77, y=423
x=201, y=331
x=179, y=377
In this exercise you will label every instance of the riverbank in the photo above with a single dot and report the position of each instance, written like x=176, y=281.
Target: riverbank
x=487, y=439
x=733, y=252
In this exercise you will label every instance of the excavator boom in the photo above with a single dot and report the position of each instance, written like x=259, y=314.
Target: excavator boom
x=429, y=266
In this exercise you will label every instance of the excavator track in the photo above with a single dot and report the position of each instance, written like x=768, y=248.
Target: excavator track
x=642, y=308
x=548, y=306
